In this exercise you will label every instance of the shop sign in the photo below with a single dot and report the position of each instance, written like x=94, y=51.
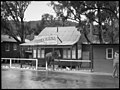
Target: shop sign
x=52, y=39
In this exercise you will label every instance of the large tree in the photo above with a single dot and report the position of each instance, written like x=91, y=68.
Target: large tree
x=12, y=12
x=95, y=11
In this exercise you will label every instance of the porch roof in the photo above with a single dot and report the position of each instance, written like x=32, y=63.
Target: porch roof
x=7, y=38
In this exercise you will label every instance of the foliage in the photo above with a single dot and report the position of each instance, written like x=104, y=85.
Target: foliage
x=14, y=11
x=95, y=11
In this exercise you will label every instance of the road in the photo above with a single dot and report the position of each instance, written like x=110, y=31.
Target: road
x=27, y=79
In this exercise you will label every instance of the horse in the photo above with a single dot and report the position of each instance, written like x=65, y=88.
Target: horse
x=50, y=57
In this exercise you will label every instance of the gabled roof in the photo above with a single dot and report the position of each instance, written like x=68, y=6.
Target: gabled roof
x=7, y=38
x=65, y=35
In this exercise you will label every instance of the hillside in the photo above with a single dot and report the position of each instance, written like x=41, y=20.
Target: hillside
x=67, y=23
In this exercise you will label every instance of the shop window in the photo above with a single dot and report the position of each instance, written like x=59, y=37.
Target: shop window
x=109, y=53
x=41, y=53
x=79, y=54
x=73, y=53
x=14, y=46
x=67, y=53
x=64, y=53
x=7, y=47
x=29, y=48
x=34, y=53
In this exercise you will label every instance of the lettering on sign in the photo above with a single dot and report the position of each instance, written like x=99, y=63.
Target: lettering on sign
x=48, y=39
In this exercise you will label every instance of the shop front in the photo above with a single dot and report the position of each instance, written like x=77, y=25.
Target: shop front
x=62, y=39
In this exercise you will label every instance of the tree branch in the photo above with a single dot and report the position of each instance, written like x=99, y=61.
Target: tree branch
x=11, y=14
x=73, y=13
x=89, y=8
x=10, y=33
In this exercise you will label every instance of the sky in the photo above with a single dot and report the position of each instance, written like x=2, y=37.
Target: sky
x=36, y=9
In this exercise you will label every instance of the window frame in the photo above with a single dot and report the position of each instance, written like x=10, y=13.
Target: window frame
x=107, y=57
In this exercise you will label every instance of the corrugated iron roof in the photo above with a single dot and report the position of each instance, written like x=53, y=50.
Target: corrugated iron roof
x=7, y=38
x=68, y=35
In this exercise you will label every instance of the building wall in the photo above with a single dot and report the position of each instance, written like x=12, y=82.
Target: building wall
x=11, y=53
x=100, y=63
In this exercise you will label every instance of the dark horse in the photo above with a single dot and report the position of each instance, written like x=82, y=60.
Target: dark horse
x=50, y=57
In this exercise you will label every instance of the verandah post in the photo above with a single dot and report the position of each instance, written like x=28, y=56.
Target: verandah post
x=46, y=65
x=36, y=63
x=91, y=57
x=10, y=63
x=53, y=61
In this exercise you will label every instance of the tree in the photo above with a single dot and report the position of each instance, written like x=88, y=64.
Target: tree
x=13, y=11
x=95, y=11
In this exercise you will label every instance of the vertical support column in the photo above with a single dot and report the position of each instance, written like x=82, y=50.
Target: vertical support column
x=53, y=62
x=91, y=57
x=71, y=58
x=36, y=63
x=76, y=51
x=10, y=63
x=46, y=65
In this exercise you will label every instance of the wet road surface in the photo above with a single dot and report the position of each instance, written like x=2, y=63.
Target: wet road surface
x=26, y=79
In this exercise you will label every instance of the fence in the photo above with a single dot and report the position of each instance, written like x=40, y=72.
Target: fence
x=79, y=61
x=21, y=59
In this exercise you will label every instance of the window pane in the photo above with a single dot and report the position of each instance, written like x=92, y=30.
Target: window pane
x=34, y=53
x=109, y=55
x=69, y=53
x=109, y=50
x=42, y=53
x=73, y=53
x=38, y=53
x=64, y=53
x=79, y=53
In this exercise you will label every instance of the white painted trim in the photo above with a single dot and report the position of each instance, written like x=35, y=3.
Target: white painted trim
x=73, y=60
x=107, y=53
x=21, y=59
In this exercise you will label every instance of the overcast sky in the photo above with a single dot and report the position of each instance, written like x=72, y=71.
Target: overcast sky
x=36, y=9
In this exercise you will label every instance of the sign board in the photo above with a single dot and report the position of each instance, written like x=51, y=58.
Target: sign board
x=47, y=40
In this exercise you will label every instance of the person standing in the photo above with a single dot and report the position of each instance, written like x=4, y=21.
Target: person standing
x=116, y=64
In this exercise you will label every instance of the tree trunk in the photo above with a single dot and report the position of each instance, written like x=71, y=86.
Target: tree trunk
x=22, y=31
x=100, y=24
